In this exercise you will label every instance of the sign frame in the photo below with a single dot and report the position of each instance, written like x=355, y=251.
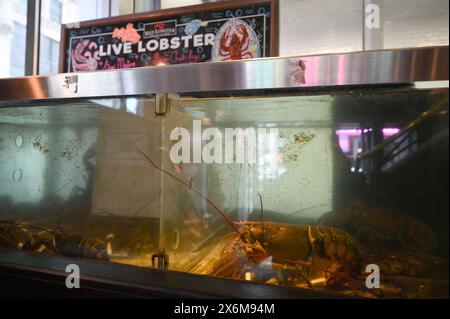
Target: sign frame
x=169, y=14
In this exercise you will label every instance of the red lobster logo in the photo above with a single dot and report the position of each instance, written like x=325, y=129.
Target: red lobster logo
x=235, y=43
x=160, y=26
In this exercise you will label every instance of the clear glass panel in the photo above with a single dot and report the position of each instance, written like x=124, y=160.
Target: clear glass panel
x=146, y=5
x=415, y=23
x=167, y=4
x=57, y=12
x=332, y=184
x=13, y=23
x=121, y=7
x=72, y=182
x=49, y=58
x=317, y=27
x=310, y=192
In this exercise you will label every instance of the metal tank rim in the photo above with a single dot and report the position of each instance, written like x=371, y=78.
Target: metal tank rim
x=402, y=66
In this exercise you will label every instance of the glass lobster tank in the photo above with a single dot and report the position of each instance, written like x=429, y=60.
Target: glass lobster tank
x=340, y=189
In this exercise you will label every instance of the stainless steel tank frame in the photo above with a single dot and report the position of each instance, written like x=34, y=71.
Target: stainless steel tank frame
x=360, y=68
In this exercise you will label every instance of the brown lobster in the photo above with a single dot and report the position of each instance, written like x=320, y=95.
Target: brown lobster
x=235, y=42
x=16, y=235
x=274, y=252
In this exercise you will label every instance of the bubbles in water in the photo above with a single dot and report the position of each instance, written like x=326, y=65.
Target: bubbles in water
x=17, y=175
x=19, y=141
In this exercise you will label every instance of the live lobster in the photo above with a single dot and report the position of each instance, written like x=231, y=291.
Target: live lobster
x=17, y=235
x=282, y=253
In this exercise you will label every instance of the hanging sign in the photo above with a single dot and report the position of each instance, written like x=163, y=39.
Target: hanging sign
x=228, y=30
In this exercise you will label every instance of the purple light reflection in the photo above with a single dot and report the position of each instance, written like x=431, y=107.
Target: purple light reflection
x=347, y=136
x=387, y=132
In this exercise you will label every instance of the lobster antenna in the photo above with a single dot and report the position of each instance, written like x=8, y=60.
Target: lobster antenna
x=306, y=209
x=191, y=188
x=262, y=213
x=61, y=214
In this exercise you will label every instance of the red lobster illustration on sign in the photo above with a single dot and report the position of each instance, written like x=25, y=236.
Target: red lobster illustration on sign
x=235, y=41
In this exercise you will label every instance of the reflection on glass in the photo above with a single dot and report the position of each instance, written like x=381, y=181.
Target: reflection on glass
x=351, y=140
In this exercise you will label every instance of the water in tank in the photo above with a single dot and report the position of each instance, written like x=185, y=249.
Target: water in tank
x=335, y=191
x=340, y=191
